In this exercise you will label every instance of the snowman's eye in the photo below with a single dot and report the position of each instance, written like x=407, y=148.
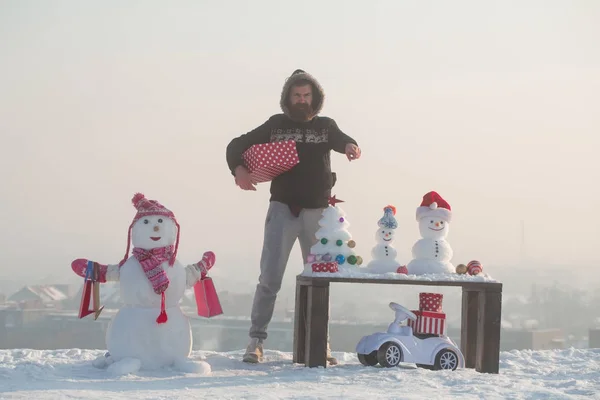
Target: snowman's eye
x=160, y=220
x=146, y=221
x=431, y=222
x=442, y=222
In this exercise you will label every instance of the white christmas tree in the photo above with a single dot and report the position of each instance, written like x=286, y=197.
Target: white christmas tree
x=334, y=241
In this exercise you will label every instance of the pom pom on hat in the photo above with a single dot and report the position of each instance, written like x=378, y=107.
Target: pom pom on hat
x=433, y=205
x=392, y=208
x=388, y=220
x=137, y=198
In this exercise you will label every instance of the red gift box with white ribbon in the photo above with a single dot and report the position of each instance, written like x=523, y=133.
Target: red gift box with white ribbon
x=430, y=302
x=269, y=160
x=430, y=322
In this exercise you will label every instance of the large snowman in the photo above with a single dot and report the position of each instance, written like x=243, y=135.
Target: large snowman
x=432, y=253
x=384, y=254
x=150, y=331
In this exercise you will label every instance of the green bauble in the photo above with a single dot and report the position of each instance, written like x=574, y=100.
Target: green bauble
x=339, y=242
x=324, y=241
x=352, y=260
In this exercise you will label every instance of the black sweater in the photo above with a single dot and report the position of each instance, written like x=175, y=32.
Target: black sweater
x=309, y=183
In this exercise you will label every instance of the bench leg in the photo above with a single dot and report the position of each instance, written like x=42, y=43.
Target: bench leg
x=317, y=321
x=468, y=329
x=488, y=332
x=300, y=324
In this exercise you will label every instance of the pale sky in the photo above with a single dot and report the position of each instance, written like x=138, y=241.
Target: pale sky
x=494, y=105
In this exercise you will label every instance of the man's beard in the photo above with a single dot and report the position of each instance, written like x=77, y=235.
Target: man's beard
x=301, y=112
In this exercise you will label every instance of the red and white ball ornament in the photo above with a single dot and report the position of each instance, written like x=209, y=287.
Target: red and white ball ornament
x=474, y=267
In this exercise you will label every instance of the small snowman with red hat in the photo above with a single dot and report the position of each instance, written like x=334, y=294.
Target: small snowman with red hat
x=150, y=331
x=432, y=253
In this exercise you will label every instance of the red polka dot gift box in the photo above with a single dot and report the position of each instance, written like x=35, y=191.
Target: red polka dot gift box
x=269, y=160
x=430, y=302
x=331, y=266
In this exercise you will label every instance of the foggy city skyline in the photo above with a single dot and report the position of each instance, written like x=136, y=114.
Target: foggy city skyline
x=495, y=108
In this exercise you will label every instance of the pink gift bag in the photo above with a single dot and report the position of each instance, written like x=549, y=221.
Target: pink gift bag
x=207, y=299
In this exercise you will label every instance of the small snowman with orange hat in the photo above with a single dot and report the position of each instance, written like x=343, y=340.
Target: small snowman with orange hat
x=432, y=253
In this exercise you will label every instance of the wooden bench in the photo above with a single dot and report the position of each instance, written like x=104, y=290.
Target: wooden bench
x=480, y=319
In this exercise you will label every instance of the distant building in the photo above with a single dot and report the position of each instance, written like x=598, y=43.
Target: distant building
x=532, y=339
x=110, y=297
x=39, y=296
x=594, y=338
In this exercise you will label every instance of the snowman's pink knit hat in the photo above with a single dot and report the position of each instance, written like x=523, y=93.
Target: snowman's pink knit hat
x=147, y=208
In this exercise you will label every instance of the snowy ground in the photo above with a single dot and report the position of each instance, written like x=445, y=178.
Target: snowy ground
x=68, y=374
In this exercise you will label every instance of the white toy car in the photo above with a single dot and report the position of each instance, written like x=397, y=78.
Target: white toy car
x=399, y=344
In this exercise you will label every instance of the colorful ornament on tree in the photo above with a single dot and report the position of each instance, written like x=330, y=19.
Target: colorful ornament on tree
x=359, y=260
x=340, y=259
x=351, y=244
x=326, y=257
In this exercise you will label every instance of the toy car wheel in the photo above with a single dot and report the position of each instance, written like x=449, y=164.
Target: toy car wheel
x=446, y=359
x=370, y=360
x=389, y=354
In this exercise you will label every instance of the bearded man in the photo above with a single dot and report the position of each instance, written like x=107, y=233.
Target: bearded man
x=298, y=196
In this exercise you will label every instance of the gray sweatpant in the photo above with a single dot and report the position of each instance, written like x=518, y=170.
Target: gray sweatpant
x=282, y=229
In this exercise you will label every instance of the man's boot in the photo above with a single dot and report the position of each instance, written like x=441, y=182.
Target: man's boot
x=254, y=351
x=331, y=360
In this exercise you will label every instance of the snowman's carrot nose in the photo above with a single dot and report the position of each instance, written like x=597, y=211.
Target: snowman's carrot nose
x=156, y=228
x=437, y=224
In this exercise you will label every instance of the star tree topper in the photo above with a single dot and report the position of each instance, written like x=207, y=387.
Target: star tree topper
x=333, y=201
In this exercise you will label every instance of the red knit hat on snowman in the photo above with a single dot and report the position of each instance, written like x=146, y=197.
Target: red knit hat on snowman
x=433, y=205
x=146, y=208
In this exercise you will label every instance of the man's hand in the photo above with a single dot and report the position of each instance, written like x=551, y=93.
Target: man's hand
x=352, y=151
x=243, y=178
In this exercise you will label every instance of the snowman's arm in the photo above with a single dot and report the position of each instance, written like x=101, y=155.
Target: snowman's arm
x=197, y=271
x=112, y=273
x=192, y=275
x=106, y=273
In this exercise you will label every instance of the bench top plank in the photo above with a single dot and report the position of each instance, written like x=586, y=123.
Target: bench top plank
x=470, y=285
